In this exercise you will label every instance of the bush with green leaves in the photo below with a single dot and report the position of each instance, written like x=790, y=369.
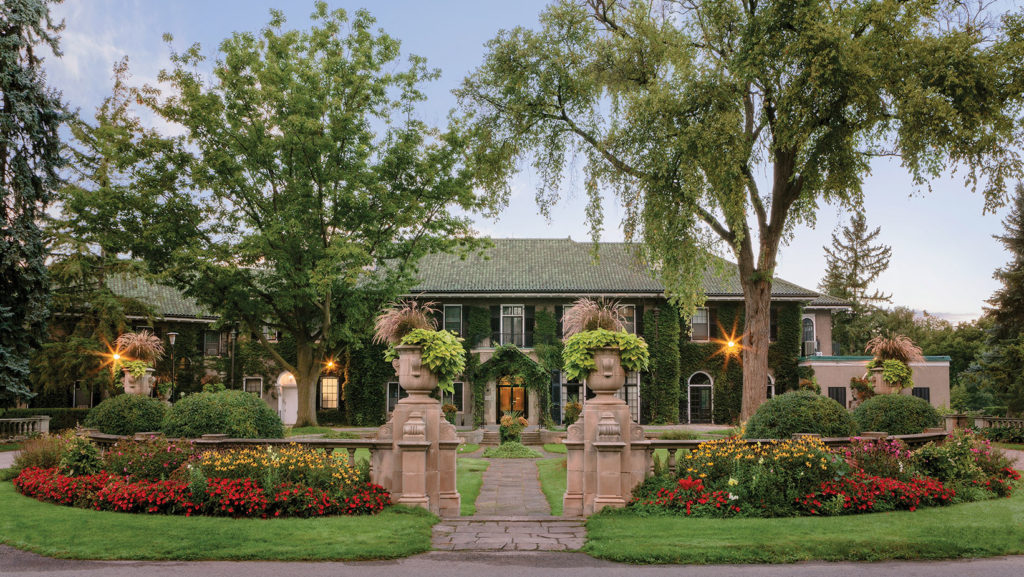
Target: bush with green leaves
x=511, y=450
x=127, y=415
x=799, y=412
x=578, y=353
x=896, y=373
x=896, y=415
x=79, y=457
x=237, y=414
x=443, y=354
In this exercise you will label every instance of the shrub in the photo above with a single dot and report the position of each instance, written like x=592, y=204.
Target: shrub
x=799, y=412
x=127, y=415
x=678, y=435
x=881, y=458
x=572, y=411
x=511, y=450
x=41, y=452
x=235, y=413
x=895, y=414
x=152, y=459
x=80, y=457
x=1003, y=434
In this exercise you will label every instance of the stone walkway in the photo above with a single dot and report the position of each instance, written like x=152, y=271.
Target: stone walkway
x=504, y=534
x=511, y=488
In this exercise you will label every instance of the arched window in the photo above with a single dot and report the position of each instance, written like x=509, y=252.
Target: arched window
x=808, y=330
x=771, y=387
x=700, y=398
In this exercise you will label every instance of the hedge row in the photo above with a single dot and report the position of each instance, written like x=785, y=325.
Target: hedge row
x=60, y=418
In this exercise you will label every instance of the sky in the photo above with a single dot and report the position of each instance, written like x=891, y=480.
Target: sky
x=943, y=253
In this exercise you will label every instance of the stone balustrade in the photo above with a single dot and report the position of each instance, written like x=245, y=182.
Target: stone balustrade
x=24, y=426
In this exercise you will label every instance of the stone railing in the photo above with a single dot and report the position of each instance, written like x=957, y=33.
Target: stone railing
x=673, y=446
x=960, y=421
x=24, y=426
x=223, y=442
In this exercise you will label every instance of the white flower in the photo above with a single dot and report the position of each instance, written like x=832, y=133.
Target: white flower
x=733, y=497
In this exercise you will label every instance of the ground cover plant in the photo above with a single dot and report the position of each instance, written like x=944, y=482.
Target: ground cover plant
x=469, y=477
x=804, y=477
x=552, y=475
x=511, y=450
x=170, y=477
x=555, y=448
x=468, y=448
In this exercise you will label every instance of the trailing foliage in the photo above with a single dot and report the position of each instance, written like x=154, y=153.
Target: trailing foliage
x=896, y=415
x=578, y=355
x=235, y=413
x=661, y=387
x=127, y=415
x=477, y=325
x=799, y=412
x=442, y=354
x=365, y=385
x=510, y=361
x=894, y=372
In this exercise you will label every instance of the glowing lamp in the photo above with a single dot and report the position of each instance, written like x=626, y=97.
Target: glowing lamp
x=117, y=357
x=732, y=344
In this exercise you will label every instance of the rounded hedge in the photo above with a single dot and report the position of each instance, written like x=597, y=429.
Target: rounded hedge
x=238, y=414
x=896, y=415
x=799, y=412
x=127, y=415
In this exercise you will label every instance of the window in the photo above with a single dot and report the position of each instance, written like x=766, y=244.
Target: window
x=771, y=388
x=700, y=327
x=512, y=324
x=453, y=319
x=922, y=393
x=700, y=398
x=838, y=394
x=329, y=392
x=211, y=344
x=561, y=320
x=808, y=331
x=395, y=393
x=272, y=335
x=629, y=318
x=454, y=398
x=253, y=385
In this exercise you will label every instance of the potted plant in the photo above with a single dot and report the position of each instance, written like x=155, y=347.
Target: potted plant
x=890, y=367
x=449, y=411
x=138, y=352
x=599, y=349
x=573, y=408
x=512, y=425
x=414, y=344
x=862, y=388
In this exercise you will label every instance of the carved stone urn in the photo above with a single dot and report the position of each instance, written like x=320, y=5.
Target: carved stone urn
x=608, y=376
x=416, y=379
x=138, y=385
x=881, y=387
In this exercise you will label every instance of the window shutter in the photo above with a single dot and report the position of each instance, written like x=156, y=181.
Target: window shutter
x=559, y=309
x=638, y=314
x=496, y=323
x=528, y=325
x=713, y=323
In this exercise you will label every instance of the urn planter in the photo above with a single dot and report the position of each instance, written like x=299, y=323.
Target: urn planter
x=416, y=379
x=142, y=385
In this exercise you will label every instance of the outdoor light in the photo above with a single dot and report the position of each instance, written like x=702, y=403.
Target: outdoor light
x=171, y=337
x=732, y=344
x=330, y=364
x=117, y=357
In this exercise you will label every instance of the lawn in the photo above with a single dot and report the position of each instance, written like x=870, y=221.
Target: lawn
x=469, y=476
x=70, y=533
x=327, y=432
x=555, y=448
x=468, y=448
x=5, y=447
x=984, y=529
x=1011, y=446
x=552, y=482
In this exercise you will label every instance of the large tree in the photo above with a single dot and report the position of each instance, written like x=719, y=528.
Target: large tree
x=31, y=114
x=727, y=122
x=303, y=188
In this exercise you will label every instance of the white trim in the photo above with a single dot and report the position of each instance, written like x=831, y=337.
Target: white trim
x=689, y=396
x=634, y=317
x=501, y=323
x=444, y=317
x=260, y=378
x=814, y=329
x=707, y=313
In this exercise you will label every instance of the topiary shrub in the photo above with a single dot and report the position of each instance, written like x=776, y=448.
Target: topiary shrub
x=127, y=415
x=799, y=412
x=237, y=414
x=896, y=415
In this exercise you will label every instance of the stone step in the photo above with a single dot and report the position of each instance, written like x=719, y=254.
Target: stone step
x=491, y=438
x=530, y=438
x=509, y=534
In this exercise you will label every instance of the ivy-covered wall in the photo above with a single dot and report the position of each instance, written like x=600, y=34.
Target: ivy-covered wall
x=660, y=390
x=727, y=371
x=366, y=388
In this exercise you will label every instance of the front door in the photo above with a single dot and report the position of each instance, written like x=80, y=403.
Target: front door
x=700, y=403
x=511, y=398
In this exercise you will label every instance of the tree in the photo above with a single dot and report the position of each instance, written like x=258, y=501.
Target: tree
x=678, y=106
x=303, y=189
x=31, y=114
x=852, y=264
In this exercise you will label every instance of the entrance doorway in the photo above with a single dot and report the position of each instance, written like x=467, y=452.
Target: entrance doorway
x=511, y=397
x=700, y=398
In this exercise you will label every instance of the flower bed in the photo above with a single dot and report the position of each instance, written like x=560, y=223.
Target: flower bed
x=804, y=477
x=161, y=477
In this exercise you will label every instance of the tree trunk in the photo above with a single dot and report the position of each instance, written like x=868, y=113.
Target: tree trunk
x=756, y=339
x=307, y=373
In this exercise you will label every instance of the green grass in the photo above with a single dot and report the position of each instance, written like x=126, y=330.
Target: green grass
x=469, y=476
x=511, y=450
x=555, y=448
x=1011, y=446
x=552, y=482
x=984, y=529
x=468, y=448
x=69, y=533
x=327, y=432
x=5, y=447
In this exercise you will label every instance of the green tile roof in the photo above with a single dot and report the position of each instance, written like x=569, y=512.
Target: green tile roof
x=549, y=266
x=166, y=301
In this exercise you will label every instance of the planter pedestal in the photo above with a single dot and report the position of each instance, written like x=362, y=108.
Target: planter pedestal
x=417, y=462
x=607, y=454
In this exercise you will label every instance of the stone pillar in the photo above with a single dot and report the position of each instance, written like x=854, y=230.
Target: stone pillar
x=607, y=453
x=419, y=467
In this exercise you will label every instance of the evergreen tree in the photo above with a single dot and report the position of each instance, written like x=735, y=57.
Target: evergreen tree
x=30, y=115
x=853, y=263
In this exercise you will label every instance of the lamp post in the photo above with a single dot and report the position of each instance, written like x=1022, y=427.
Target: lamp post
x=234, y=337
x=171, y=337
